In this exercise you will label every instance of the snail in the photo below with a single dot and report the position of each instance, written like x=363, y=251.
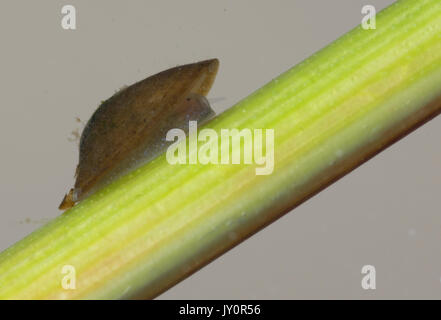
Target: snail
x=130, y=128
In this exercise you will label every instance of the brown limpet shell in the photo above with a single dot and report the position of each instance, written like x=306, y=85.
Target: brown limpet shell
x=130, y=127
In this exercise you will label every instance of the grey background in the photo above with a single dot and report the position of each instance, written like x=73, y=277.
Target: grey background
x=386, y=213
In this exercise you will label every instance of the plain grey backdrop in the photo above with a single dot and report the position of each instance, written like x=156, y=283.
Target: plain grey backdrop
x=386, y=213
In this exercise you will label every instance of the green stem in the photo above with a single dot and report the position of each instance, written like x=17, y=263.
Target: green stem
x=162, y=222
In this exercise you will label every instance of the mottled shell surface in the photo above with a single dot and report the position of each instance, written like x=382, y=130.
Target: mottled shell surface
x=130, y=127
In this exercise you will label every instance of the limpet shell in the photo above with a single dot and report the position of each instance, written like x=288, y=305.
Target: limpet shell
x=130, y=127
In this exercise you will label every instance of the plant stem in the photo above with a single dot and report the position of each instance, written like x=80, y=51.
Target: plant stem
x=155, y=226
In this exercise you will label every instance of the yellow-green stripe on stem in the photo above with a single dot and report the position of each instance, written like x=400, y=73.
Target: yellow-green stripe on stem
x=160, y=223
